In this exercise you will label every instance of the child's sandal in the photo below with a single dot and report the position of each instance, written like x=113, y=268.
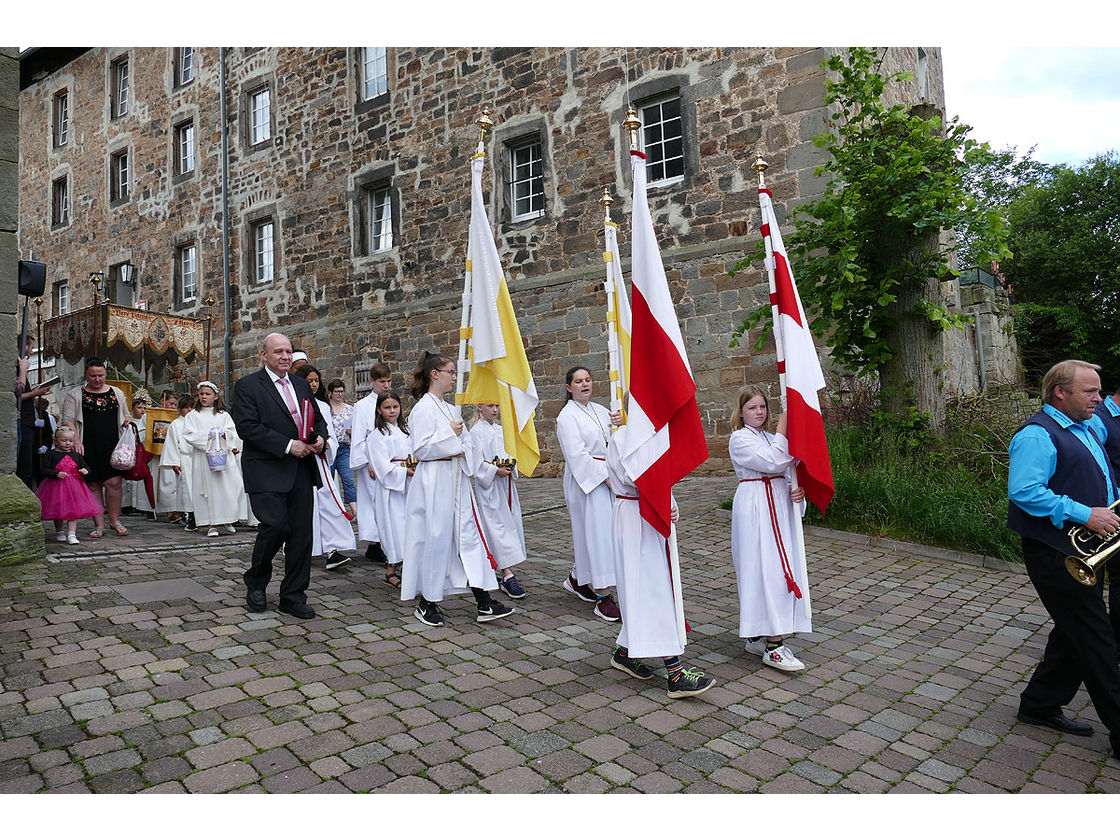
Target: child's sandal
x=393, y=577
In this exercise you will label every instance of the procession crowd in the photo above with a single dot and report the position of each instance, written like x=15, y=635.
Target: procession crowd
x=437, y=502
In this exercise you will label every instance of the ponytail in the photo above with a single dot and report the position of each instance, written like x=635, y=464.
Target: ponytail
x=422, y=376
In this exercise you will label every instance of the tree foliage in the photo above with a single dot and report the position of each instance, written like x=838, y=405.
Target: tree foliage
x=1065, y=267
x=867, y=250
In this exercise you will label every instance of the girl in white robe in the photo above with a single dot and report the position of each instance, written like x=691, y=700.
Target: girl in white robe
x=365, y=476
x=443, y=551
x=331, y=531
x=652, y=623
x=499, y=506
x=174, y=493
x=583, y=428
x=770, y=568
x=217, y=495
x=389, y=448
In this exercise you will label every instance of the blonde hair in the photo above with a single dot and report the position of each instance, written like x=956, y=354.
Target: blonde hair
x=1061, y=376
x=65, y=430
x=746, y=394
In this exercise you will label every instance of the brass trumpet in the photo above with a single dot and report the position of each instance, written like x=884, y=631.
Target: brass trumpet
x=1093, y=552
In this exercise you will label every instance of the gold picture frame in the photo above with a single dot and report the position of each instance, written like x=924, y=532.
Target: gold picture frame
x=156, y=422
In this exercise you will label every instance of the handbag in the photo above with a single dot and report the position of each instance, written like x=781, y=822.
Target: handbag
x=140, y=470
x=215, y=457
x=123, y=457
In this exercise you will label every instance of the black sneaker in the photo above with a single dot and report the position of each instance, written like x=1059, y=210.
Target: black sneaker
x=190, y=526
x=634, y=667
x=376, y=553
x=492, y=610
x=429, y=613
x=690, y=683
x=511, y=587
x=336, y=559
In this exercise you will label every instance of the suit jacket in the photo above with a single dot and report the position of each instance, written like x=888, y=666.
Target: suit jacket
x=265, y=426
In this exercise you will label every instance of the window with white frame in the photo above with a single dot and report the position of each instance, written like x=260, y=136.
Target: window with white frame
x=526, y=180
x=184, y=65
x=61, y=111
x=379, y=218
x=373, y=71
x=264, y=253
x=260, y=116
x=186, y=263
x=922, y=74
x=663, y=139
x=61, y=297
x=119, y=95
x=60, y=201
x=184, y=147
x=118, y=176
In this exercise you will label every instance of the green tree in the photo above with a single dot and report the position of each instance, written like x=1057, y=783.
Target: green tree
x=870, y=253
x=1065, y=269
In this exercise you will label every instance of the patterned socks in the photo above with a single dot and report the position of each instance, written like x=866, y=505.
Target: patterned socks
x=673, y=667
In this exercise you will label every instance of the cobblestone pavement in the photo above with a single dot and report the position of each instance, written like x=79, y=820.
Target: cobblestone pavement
x=131, y=664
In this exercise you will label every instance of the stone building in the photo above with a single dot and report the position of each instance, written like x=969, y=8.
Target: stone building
x=341, y=186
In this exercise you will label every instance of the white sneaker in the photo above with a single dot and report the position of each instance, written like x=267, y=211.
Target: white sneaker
x=757, y=646
x=213, y=532
x=229, y=529
x=60, y=536
x=783, y=659
x=72, y=539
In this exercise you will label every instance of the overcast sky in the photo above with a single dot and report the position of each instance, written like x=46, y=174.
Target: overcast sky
x=1064, y=99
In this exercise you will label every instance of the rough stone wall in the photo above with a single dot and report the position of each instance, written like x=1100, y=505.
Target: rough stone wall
x=21, y=532
x=344, y=308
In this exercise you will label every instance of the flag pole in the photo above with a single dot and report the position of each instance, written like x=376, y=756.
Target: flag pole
x=760, y=166
x=632, y=124
x=614, y=349
x=484, y=124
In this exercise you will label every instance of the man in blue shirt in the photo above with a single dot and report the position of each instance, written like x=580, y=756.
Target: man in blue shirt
x=1109, y=413
x=1060, y=476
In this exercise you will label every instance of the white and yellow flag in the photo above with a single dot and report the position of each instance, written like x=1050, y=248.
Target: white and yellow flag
x=618, y=320
x=499, y=370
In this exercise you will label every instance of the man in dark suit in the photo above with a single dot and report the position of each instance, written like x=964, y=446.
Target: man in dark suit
x=280, y=475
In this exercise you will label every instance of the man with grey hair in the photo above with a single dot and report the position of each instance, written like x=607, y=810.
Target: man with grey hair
x=282, y=430
x=1059, y=477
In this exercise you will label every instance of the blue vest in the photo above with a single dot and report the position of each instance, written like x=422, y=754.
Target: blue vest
x=1112, y=445
x=1076, y=475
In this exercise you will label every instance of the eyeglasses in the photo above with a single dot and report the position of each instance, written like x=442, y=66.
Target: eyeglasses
x=446, y=370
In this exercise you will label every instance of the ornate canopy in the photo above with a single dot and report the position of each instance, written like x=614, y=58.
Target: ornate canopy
x=125, y=336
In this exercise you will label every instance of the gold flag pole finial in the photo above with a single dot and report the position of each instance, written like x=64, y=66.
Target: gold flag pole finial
x=484, y=124
x=760, y=166
x=632, y=124
x=606, y=201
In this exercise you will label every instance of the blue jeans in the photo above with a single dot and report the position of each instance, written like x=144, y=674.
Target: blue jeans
x=342, y=465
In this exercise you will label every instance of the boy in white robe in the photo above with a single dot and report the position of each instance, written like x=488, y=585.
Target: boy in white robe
x=652, y=622
x=499, y=506
x=174, y=494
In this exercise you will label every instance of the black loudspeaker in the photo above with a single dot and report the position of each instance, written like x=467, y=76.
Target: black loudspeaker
x=32, y=278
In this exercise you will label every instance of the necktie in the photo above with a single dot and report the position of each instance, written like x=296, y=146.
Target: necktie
x=289, y=399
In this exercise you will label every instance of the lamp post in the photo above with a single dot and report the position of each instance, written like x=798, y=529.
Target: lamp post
x=128, y=277
x=39, y=334
x=97, y=280
x=209, y=326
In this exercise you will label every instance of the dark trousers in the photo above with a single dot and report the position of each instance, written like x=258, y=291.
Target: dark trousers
x=285, y=520
x=1114, y=602
x=1081, y=647
x=25, y=454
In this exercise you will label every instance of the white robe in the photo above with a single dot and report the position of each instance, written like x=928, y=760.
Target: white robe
x=499, y=507
x=388, y=452
x=174, y=491
x=217, y=496
x=443, y=553
x=766, y=606
x=330, y=529
x=586, y=492
x=364, y=425
x=645, y=588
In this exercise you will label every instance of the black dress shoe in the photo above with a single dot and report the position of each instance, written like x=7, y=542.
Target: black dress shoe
x=1059, y=722
x=255, y=600
x=376, y=553
x=297, y=610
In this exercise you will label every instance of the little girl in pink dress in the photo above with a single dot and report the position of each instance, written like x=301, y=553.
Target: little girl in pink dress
x=63, y=493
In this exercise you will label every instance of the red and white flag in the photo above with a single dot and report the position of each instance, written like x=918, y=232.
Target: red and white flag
x=663, y=440
x=798, y=366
